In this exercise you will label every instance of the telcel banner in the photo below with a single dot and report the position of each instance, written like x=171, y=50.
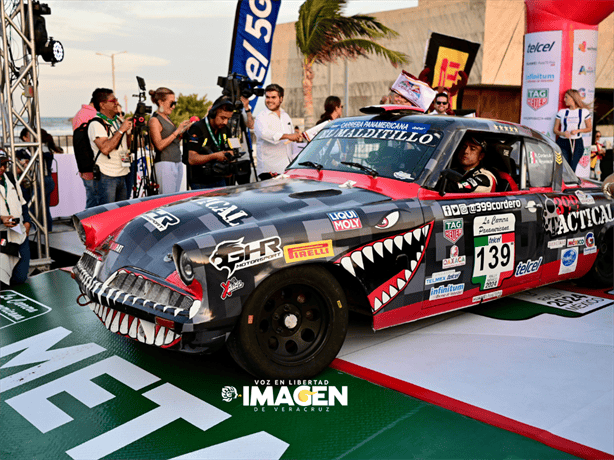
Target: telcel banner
x=541, y=80
x=583, y=79
x=250, y=52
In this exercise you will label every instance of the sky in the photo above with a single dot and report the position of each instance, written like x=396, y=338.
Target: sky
x=182, y=45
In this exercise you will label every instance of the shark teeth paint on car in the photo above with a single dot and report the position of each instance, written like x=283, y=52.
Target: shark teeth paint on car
x=378, y=263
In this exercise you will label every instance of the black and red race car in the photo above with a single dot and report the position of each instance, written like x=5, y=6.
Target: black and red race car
x=360, y=220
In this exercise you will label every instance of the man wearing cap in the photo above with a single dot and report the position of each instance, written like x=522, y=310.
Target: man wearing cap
x=468, y=162
x=206, y=143
x=14, y=243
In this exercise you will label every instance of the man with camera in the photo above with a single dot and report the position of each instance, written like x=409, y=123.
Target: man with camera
x=206, y=144
x=109, y=142
x=274, y=129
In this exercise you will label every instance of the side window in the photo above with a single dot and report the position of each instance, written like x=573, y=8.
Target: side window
x=539, y=159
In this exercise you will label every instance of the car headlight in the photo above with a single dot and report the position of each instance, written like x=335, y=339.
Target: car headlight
x=79, y=228
x=186, y=268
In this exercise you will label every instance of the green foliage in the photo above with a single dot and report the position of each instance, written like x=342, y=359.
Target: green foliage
x=323, y=34
x=189, y=106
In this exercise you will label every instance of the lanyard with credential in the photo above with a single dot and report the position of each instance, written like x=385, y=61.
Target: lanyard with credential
x=5, y=195
x=216, y=141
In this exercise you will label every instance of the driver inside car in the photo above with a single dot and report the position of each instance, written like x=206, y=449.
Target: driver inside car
x=468, y=162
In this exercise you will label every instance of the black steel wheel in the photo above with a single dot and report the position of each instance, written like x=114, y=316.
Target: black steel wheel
x=292, y=326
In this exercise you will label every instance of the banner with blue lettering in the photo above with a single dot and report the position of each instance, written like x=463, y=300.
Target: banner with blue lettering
x=250, y=52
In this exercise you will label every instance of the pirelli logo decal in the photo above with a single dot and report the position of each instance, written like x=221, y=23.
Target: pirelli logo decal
x=307, y=251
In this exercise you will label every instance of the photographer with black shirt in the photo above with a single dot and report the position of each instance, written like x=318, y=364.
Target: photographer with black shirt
x=206, y=143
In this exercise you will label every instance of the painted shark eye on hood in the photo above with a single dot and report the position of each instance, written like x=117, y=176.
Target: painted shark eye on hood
x=388, y=221
x=386, y=266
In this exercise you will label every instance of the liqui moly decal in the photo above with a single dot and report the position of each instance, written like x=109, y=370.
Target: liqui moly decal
x=344, y=220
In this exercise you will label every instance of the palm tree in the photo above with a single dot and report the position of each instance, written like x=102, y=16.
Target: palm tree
x=323, y=35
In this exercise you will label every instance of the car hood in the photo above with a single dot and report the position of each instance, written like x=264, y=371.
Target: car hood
x=146, y=239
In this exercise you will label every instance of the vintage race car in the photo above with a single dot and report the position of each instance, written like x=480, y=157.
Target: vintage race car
x=360, y=220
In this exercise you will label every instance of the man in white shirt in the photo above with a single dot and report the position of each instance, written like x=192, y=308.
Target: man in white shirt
x=110, y=139
x=274, y=129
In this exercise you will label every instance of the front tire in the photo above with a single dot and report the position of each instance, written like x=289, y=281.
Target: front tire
x=292, y=326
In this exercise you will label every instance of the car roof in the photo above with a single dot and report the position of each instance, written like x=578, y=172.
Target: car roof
x=453, y=123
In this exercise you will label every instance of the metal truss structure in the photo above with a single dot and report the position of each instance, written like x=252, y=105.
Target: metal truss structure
x=19, y=109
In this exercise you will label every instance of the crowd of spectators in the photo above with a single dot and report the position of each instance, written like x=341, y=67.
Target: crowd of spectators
x=204, y=146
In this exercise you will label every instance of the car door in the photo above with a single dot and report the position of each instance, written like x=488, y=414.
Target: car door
x=570, y=215
x=487, y=244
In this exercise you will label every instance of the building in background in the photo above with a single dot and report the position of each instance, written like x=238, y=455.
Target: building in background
x=494, y=86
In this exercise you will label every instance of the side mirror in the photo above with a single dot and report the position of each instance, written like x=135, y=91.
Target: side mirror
x=448, y=175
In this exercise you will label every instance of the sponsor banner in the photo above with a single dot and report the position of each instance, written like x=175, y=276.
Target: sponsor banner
x=448, y=56
x=449, y=290
x=569, y=221
x=494, y=260
x=584, y=198
x=235, y=255
x=541, y=80
x=16, y=308
x=583, y=79
x=488, y=296
x=455, y=260
x=452, y=229
x=564, y=300
x=462, y=209
x=160, y=219
x=226, y=212
x=589, y=241
x=571, y=242
x=500, y=223
x=345, y=220
x=528, y=267
x=277, y=396
x=308, y=251
x=569, y=260
x=231, y=286
x=556, y=244
x=441, y=277
x=252, y=39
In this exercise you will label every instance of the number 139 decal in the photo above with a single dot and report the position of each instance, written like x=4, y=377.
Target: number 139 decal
x=494, y=254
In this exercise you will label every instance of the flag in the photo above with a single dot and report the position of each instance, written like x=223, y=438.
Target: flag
x=447, y=56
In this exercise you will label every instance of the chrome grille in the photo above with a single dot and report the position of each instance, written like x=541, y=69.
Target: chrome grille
x=87, y=263
x=146, y=289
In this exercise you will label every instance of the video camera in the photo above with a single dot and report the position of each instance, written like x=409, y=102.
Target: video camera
x=235, y=85
x=233, y=166
x=142, y=109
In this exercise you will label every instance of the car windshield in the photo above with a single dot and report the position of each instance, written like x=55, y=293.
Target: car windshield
x=393, y=149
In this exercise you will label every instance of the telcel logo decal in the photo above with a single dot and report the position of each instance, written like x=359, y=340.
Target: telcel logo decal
x=540, y=47
x=530, y=266
x=308, y=396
